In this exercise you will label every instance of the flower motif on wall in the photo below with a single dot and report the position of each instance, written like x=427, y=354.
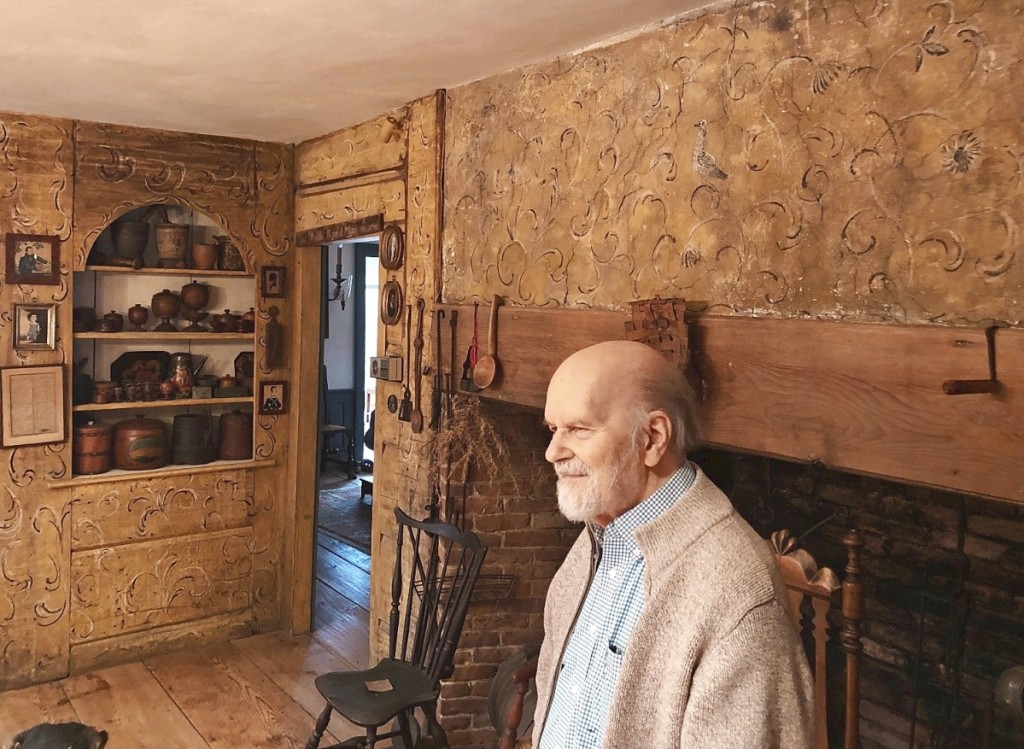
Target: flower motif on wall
x=960, y=151
x=825, y=75
x=927, y=46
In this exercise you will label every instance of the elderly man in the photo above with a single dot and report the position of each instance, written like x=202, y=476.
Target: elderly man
x=665, y=625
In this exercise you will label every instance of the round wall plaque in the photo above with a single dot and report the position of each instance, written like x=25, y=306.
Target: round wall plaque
x=390, y=303
x=392, y=247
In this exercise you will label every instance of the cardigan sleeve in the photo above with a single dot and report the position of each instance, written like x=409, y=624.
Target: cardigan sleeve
x=752, y=689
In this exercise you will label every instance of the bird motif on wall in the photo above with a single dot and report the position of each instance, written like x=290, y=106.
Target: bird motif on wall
x=704, y=162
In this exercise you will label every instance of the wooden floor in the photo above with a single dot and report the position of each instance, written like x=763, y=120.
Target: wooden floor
x=251, y=693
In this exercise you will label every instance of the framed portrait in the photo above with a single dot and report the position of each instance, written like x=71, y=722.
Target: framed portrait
x=272, y=281
x=33, y=259
x=392, y=247
x=273, y=398
x=31, y=405
x=35, y=327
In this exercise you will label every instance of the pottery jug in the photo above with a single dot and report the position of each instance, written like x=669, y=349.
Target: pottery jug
x=129, y=237
x=171, y=240
x=205, y=256
x=181, y=374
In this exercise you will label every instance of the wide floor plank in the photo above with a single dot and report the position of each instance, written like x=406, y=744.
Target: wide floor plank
x=342, y=625
x=358, y=557
x=230, y=701
x=343, y=576
x=129, y=703
x=24, y=708
x=293, y=663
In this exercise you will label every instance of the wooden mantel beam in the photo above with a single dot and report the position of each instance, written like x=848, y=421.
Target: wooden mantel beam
x=860, y=397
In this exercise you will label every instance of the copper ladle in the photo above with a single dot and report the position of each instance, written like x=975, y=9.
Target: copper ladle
x=486, y=369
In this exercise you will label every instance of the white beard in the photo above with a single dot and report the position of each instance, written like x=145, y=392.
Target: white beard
x=579, y=497
x=591, y=493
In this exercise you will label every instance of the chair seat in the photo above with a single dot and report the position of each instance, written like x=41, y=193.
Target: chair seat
x=350, y=692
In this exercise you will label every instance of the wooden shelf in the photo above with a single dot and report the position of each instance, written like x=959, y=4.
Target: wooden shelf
x=168, y=271
x=169, y=403
x=151, y=335
x=175, y=470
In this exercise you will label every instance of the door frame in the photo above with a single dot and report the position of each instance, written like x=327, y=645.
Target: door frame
x=305, y=419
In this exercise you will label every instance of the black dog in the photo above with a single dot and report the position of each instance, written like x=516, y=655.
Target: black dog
x=60, y=736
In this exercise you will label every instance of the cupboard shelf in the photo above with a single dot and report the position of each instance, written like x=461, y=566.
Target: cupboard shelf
x=169, y=271
x=117, y=474
x=150, y=335
x=169, y=403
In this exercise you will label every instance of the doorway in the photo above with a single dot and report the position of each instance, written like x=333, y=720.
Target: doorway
x=341, y=575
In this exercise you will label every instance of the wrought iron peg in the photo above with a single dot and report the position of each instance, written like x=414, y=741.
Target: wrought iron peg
x=970, y=387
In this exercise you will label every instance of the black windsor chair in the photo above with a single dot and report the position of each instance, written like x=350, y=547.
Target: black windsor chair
x=436, y=569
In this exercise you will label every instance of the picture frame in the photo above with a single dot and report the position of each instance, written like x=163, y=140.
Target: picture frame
x=32, y=259
x=35, y=327
x=32, y=405
x=392, y=247
x=273, y=398
x=272, y=278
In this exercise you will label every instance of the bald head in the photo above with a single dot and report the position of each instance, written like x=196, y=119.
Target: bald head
x=634, y=377
x=620, y=417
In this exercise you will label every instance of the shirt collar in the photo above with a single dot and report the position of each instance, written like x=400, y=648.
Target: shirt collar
x=650, y=508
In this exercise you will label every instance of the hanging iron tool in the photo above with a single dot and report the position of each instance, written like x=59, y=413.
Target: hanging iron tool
x=435, y=396
x=453, y=320
x=417, y=412
x=405, y=407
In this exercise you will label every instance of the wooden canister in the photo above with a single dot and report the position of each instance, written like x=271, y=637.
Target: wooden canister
x=192, y=439
x=140, y=444
x=235, y=439
x=90, y=451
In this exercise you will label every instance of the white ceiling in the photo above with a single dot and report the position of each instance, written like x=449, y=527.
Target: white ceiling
x=280, y=70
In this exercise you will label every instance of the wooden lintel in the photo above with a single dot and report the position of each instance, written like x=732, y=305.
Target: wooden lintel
x=860, y=397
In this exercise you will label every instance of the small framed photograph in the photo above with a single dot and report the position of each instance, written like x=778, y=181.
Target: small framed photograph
x=35, y=327
x=33, y=259
x=31, y=405
x=272, y=281
x=273, y=398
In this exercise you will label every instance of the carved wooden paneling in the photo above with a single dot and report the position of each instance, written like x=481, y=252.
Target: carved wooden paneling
x=773, y=159
x=105, y=515
x=350, y=204
x=90, y=655
x=35, y=198
x=123, y=589
x=373, y=146
x=272, y=231
x=119, y=168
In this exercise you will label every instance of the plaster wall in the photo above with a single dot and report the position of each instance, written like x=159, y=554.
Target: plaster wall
x=841, y=159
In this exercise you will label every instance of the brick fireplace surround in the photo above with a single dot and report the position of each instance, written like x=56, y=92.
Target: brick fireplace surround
x=958, y=559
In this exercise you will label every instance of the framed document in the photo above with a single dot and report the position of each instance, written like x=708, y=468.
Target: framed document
x=31, y=405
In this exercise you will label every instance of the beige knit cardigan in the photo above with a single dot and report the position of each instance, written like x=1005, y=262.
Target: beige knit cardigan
x=713, y=661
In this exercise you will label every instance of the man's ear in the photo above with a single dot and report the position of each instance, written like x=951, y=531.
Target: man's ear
x=659, y=437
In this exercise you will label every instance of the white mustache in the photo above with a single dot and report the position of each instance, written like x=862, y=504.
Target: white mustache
x=573, y=467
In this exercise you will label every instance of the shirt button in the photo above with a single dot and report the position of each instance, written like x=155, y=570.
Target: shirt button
x=637, y=553
x=592, y=630
x=613, y=574
x=575, y=689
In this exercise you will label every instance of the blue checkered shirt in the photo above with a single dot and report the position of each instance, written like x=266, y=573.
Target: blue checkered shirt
x=598, y=641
